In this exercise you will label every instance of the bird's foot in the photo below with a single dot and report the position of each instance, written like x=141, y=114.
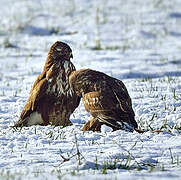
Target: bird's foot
x=92, y=125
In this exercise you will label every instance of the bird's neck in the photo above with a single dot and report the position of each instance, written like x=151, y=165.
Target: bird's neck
x=52, y=60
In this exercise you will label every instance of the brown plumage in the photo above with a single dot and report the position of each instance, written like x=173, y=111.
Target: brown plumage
x=106, y=98
x=51, y=99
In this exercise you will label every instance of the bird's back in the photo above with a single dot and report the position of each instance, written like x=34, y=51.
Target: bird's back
x=105, y=97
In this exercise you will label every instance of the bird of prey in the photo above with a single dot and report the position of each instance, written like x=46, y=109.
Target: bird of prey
x=51, y=99
x=106, y=98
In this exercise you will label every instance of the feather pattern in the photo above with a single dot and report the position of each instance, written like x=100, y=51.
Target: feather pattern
x=106, y=98
x=51, y=99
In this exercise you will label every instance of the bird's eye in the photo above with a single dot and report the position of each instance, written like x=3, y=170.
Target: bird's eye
x=58, y=48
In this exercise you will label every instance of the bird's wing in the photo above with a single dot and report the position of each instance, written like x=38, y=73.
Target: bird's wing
x=121, y=95
x=47, y=73
x=97, y=102
x=113, y=90
x=38, y=90
x=125, y=103
x=38, y=79
x=101, y=106
x=104, y=108
x=35, y=95
x=104, y=97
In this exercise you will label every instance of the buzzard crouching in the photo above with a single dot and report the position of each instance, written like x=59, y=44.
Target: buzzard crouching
x=106, y=98
x=51, y=99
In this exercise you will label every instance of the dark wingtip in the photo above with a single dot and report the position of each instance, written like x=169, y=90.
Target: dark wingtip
x=20, y=123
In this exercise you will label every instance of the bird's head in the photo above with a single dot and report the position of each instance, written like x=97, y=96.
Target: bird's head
x=61, y=51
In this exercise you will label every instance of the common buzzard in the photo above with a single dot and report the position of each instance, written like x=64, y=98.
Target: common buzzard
x=51, y=99
x=106, y=98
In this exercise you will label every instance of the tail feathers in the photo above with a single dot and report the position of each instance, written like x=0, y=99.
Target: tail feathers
x=21, y=123
x=33, y=119
x=133, y=122
x=116, y=125
x=125, y=126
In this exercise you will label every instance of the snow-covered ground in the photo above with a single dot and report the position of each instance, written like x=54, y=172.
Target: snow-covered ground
x=136, y=41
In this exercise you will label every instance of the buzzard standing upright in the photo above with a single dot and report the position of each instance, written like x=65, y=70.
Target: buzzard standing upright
x=51, y=99
x=106, y=98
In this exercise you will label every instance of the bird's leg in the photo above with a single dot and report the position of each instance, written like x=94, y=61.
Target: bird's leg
x=59, y=116
x=59, y=121
x=66, y=122
x=92, y=125
x=86, y=126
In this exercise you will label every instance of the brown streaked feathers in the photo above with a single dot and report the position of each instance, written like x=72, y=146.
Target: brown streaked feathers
x=106, y=98
x=51, y=99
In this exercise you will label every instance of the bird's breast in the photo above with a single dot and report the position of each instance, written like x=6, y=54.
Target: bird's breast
x=59, y=83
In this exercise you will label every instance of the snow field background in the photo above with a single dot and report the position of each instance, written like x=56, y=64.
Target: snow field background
x=135, y=41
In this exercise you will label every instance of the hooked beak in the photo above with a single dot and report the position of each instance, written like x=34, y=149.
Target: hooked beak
x=71, y=55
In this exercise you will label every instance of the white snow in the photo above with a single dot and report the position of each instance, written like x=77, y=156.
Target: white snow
x=106, y=129
x=136, y=41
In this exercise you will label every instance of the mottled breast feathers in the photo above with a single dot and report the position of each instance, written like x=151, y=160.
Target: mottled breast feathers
x=51, y=99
